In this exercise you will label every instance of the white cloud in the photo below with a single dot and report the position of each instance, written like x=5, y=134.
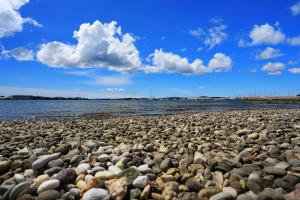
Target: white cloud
x=10, y=19
x=294, y=70
x=22, y=54
x=294, y=41
x=269, y=53
x=173, y=63
x=292, y=62
x=3, y=52
x=115, y=89
x=99, y=46
x=220, y=62
x=215, y=36
x=273, y=68
x=295, y=9
x=266, y=34
x=7, y=91
x=197, y=32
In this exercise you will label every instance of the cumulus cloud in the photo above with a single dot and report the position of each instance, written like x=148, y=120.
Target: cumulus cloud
x=196, y=32
x=294, y=41
x=295, y=9
x=269, y=53
x=273, y=68
x=99, y=45
x=294, y=70
x=220, y=62
x=215, y=36
x=212, y=36
x=22, y=54
x=10, y=19
x=173, y=63
x=266, y=34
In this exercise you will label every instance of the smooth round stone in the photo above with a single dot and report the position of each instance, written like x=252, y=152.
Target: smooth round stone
x=48, y=185
x=55, y=163
x=105, y=175
x=66, y=176
x=281, y=183
x=19, y=178
x=88, y=177
x=43, y=160
x=18, y=189
x=245, y=197
x=4, y=166
x=144, y=169
x=96, y=194
x=141, y=182
x=90, y=144
x=82, y=168
x=275, y=171
x=49, y=195
x=231, y=191
x=75, y=192
x=284, y=145
x=224, y=167
x=135, y=193
x=254, y=176
x=221, y=196
x=269, y=193
x=253, y=136
x=63, y=148
x=165, y=164
x=193, y=185
x=103, y=158
x=114, y=170
x=282, y=165
x=52, y=171
x=75, y=160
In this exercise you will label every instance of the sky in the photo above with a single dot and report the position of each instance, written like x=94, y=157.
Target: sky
x=127, y=48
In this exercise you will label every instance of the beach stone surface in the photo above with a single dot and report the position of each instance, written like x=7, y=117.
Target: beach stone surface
x=243, y=155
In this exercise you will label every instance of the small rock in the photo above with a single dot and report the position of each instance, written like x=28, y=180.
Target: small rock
x=49, y=195
x=141, y=182
x=82, y=168
x=96, y=194
x=66, y=176
x=103, y=158
x=193, y=185
x=135, y=193
x=165, y=164
x=117, y=188
x=48, y=185
x=4, y=167
x=18, y=189
x=104, y=175
x=145, y=192
x=43, y=160
x=114, y=170
x=221, y=196
x=275, y=171
x=130, y=174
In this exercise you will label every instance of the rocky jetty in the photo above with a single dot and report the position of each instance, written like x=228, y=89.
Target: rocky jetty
x=244, y=155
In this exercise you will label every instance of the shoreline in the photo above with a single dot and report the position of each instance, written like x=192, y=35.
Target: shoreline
x=101, y=115
x=244, y=154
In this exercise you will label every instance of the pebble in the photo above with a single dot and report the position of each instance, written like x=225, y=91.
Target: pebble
x=48, y=185
x=43, y=160
x=49, y=195
x=114, y=170
x=96, y=194
x=275, y=171
x=18, y=189
x=82, y=168
x=141, y=182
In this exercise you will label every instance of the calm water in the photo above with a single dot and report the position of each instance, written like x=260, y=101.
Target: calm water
x=18, y=109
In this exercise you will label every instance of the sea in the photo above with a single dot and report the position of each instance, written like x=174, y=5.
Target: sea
x=29, y=109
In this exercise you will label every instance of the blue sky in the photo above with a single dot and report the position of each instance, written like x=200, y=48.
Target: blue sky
x=125, y=48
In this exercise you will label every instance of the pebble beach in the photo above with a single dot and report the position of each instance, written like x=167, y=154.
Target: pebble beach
x=225, y=155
